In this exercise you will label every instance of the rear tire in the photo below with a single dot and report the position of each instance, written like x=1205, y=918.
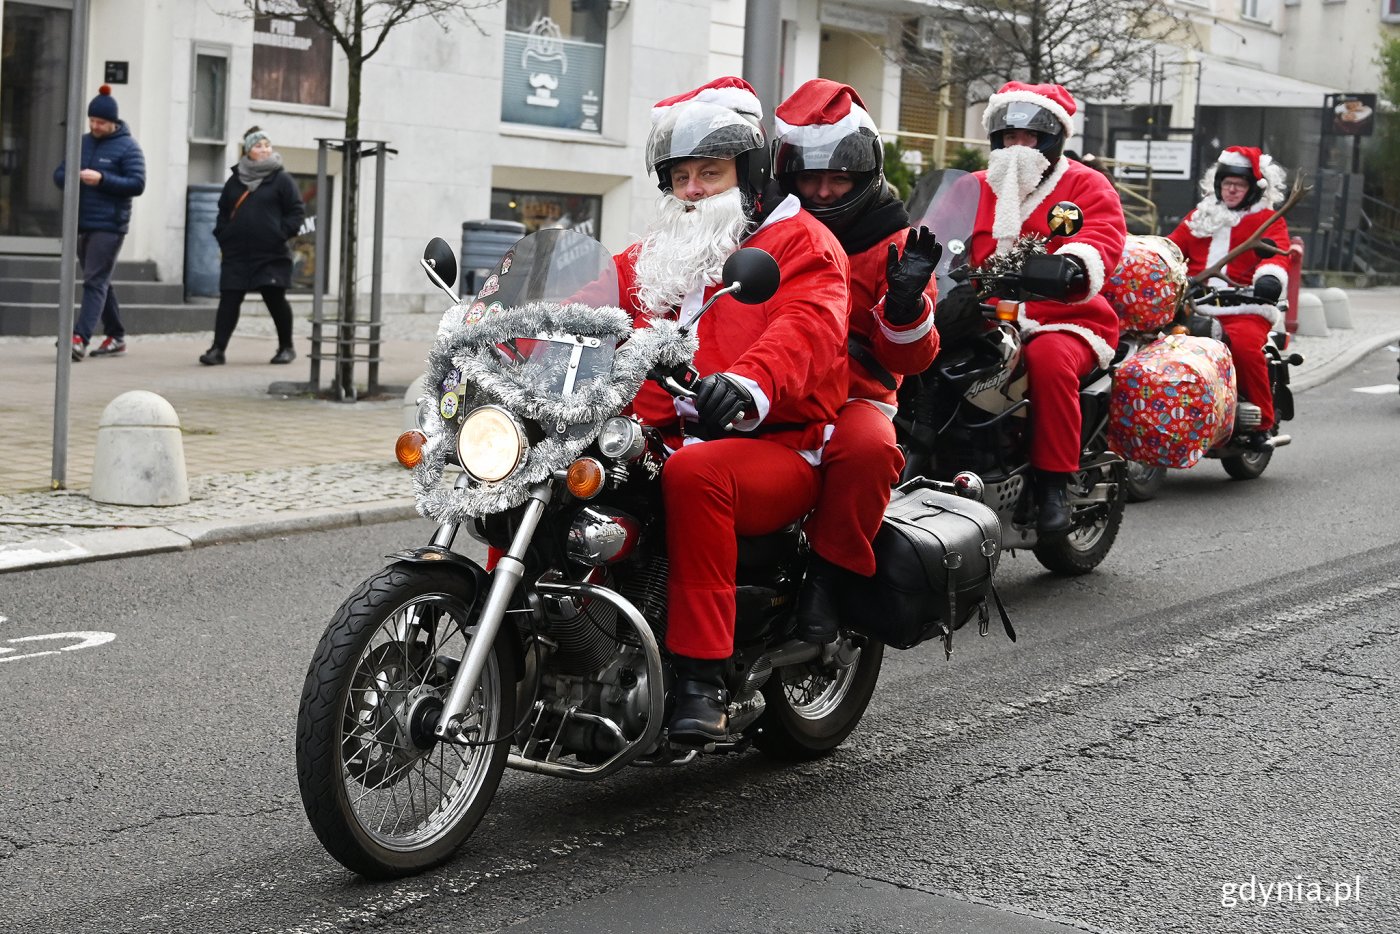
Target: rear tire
x=1086, y=545
x=1247, y=466
x=812, y=708
x=365, y=756
x=1144, y=482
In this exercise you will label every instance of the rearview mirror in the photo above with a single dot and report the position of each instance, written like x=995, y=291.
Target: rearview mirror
x=441, y=262
x=756, y=274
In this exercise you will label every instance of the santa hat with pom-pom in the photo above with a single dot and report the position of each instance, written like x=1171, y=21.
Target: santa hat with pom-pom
x=1052, y=97
x=1248, y=157
x=733, y=93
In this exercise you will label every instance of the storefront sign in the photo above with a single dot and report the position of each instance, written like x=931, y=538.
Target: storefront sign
x=291, y=62
x=1349, y=115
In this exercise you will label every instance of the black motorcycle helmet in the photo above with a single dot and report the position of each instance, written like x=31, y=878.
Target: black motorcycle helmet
x=704, y=130
x=1252, y=194
x=1024, y=115
x=856, y=150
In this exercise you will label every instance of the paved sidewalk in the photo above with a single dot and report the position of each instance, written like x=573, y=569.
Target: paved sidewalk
x=263, y=465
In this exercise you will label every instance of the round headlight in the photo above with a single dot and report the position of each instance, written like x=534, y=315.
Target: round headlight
x=491, y=444
x=620, y=438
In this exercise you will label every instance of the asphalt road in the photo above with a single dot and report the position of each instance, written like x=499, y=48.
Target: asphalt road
x=1208, y=716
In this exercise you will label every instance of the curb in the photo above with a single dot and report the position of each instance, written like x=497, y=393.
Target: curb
x=124, y=543
x=1343, y=361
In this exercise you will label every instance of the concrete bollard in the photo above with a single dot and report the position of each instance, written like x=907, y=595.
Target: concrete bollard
x=1312, y=320
x=1336, y=306
x=140, y=456
x=410, y=403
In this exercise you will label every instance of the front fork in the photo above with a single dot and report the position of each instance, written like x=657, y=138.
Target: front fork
x=505, y=577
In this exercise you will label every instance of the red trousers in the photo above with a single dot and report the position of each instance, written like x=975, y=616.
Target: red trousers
x=859, y=465
x=1246, y=335
x=715, y=491
x=1055, y=362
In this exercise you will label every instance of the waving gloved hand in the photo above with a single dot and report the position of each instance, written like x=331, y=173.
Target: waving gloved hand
x=1267, y=289
x=906, y=277
x=1054, y=275
x=719, y=400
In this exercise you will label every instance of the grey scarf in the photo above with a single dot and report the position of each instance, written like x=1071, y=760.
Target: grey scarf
x=252, y=174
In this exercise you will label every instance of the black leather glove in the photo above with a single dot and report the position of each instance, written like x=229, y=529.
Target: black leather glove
x=906, y=278
x=719, y=400
x=1054, y=276
x=1267, y=289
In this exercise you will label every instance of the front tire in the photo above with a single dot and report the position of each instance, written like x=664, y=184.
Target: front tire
x=812, y=708
x=1088, y=542
x=383, y=795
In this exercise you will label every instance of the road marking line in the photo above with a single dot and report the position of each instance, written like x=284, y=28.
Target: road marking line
x=1381, y=390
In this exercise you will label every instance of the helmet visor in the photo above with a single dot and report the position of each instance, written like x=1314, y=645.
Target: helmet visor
x=1022, y=115
x=697, y=130
x=828, y=148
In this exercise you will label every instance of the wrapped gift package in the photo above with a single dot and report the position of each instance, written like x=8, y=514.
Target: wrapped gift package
x=1172, y=401
x=1148, y=283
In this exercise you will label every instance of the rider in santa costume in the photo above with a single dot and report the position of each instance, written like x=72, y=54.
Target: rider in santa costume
x=1241, y=192
x=830, y=155
x=775, y=370
x=1030, y=187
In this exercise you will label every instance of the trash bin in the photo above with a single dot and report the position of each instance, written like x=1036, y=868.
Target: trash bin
x=201, y=249
x=483, y=245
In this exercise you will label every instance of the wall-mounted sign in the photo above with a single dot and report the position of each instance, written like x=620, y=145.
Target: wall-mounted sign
x=115, y=72
x=291, y=62
x=552, y=81
x=1170, y=159
x=1349, y=114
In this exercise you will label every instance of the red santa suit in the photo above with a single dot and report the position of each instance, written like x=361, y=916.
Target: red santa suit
x=1065, y=340
x=789, y=353
x=862, y=460
x=1210, y=232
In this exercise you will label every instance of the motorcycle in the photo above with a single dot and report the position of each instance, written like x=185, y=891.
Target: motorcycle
x=1240, y=459
x=437, y=674
x=969, y=410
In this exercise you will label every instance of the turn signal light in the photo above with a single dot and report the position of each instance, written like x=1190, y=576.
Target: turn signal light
x=585, y=478
x=409, y=448
x=1008, y=311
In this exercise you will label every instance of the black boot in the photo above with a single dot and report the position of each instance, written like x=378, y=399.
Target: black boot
x=701, y=714
x=1052, y=517
x=818, y=616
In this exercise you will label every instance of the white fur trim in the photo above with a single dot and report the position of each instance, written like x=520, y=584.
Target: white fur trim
x=1236, y=159
x=1093, y=265
x=912, y=334
x=1010, y=96
x=736, y=99
x=759, y=399
x=1268, y=312
x=814, y=133
x=1031, y=327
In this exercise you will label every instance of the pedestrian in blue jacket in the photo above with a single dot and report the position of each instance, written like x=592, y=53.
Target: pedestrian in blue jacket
x=113, y=172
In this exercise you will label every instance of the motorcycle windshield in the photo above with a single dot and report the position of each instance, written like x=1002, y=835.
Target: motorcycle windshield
x=549, y=269
x=945, y=202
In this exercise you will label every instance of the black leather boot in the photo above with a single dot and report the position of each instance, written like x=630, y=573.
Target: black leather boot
x=818, y=616
x=1052, y=503
x=701, y=714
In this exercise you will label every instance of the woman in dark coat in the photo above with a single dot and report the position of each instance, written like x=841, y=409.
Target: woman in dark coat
x=259, y=211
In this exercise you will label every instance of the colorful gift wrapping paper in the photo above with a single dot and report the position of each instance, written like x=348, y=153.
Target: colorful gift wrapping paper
x=1147, y=284
x=1172, y=401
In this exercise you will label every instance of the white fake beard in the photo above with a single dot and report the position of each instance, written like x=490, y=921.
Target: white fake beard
x=1212, y=215
x=686, y=246
x=1013, y=173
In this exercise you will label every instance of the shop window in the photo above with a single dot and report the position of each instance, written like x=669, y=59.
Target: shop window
x=539, y=210
x=554, y=58
x=1390, y=11
x=291, y=61
x=209, y=95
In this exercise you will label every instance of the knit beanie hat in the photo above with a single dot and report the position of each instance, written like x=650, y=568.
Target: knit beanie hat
x=104, y=105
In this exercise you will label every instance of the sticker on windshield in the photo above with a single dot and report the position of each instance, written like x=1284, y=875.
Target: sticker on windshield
x=506, y=261
x=475, y=313
x=452, y=380
x=493, y=284
x=495, y=307
x=447, y=408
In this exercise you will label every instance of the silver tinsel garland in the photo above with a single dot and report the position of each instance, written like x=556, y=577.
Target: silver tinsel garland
x=525, y=390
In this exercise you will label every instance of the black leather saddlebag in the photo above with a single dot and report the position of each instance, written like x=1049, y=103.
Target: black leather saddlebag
x=935, y=555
